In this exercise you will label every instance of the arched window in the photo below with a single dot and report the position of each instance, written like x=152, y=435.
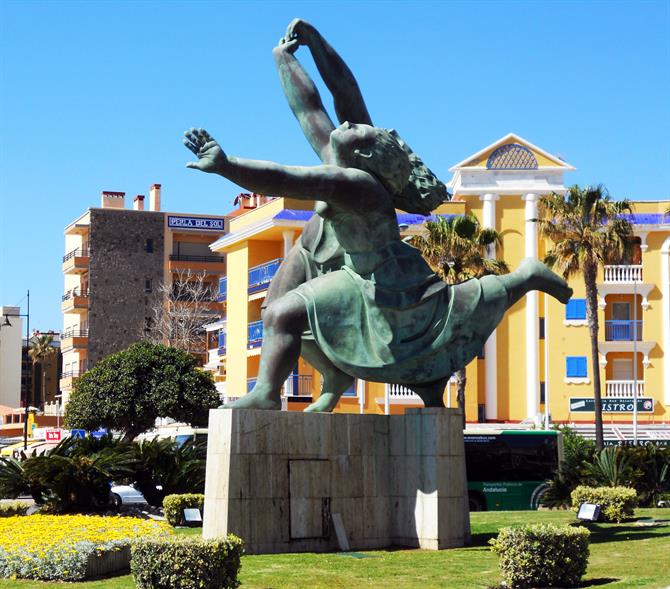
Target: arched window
x=512, y=156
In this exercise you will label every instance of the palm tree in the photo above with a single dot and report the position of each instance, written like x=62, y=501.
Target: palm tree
x=588, y=230
x=40, y=351
x=457, y=249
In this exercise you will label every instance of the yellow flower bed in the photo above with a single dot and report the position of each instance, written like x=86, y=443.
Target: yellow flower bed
x=57, y=547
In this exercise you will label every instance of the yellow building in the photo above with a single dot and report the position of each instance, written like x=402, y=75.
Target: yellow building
x=540, y=350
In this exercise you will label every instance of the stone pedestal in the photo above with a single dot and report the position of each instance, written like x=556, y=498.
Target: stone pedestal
x=276, y=479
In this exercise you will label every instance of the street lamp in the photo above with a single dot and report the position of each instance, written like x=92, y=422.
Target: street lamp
x=6, y=323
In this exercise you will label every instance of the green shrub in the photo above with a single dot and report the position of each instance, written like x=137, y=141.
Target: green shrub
x=542, y=555
x=185, y=562
x=616, y=503
x=174, y=505
x=16, y=508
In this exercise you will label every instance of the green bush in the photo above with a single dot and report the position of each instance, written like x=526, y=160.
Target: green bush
x=542, y=555
x=616, y=503
x=16, y=508
x=174, y=505
x=185, y=562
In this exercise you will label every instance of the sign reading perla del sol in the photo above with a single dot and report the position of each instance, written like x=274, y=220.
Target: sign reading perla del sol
x=206, y=223
x=612, y=404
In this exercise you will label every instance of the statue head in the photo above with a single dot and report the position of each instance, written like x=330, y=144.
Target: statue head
x=373, y=150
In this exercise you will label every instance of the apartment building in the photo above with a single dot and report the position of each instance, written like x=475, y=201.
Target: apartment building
x=540, y=353
x=117, y=262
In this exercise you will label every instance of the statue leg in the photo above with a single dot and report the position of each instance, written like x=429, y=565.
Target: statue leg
x=533, y=275
x=431, y=394
x=335, y=382
x=283, y=323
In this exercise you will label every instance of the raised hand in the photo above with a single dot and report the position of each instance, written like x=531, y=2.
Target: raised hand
x=211, y=158
x=300, y=30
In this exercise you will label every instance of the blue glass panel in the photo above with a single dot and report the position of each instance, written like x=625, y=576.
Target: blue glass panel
x=575, y=309
x=223, y=287
x=575, y=366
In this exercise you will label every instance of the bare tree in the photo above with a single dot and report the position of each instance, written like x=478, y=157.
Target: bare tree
x=180, y=310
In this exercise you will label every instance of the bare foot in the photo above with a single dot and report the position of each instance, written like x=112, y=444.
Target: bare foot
x=255, y=400
x=324, y=404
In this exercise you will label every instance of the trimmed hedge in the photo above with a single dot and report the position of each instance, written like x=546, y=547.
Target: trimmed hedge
x=542, y=555
x=174, y=505
x=186, y=562
x=616, y=503
x=15, y=508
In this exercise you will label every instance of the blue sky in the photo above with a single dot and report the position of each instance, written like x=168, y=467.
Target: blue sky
x=95, y=96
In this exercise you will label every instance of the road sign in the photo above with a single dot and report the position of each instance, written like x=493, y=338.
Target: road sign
x=53, y=435
x=101, y=433
x=78, y=434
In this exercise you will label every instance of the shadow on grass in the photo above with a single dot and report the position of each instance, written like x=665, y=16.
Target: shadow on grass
x=618, y=533
x=598, y=582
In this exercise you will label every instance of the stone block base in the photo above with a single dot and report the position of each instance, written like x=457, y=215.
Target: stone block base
x=276, y=478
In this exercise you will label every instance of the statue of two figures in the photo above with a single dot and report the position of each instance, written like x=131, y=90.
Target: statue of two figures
x=351, y=297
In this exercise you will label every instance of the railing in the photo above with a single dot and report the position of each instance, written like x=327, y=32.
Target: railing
x=623, y=331
x=74, y=333
x=78, y=253
x=623, y=273
x=623, y=388
x=255, y=334
x=261, y=276
x=190, y=258
x=223, y=287
x=397, y=391
x=75, y=292
x=222, y=343
x=251, y=383
x=298, y=384
x=71, y=373
x=53, y=409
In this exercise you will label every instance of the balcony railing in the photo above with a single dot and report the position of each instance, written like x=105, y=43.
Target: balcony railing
x=222, y=343
x=190, y=258
x=298, y=384
x=223, y=288
x=623, y=273
x=397, y=391
x=623, y=331
x=71, y=373
x=78, y=253
x=623, y=388
x=74, y=333
x=75, y=292
x=251, y=383
x=255, y=334
x=261, y=276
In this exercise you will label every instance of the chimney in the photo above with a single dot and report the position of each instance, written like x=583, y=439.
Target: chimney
x=155, y=197
x=113, y=200
x=138, y=203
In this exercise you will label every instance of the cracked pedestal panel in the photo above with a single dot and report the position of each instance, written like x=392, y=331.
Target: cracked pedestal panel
x=276, y=478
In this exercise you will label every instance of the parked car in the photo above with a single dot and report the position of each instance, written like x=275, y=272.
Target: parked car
x=126, y=495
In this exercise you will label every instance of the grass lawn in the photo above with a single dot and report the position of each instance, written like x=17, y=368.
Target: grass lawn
x=623, y=555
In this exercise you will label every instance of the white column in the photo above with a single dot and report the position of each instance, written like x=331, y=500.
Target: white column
x=288, y=241
x=490, y=347
x=532, y=361
x=665, y=302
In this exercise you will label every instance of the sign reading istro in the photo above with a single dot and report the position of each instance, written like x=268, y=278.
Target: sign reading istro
x=202, y=223
x=612, y=404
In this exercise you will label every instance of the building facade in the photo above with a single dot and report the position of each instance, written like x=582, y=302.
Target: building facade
x=538, y=360
x=11, y=338
x=118, y=265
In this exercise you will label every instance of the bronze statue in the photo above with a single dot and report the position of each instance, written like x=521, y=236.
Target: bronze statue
x=356, y=299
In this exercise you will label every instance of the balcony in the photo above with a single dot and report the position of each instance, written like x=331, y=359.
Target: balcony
x=623, y=388
x=76, y=262
x=75, y=301
x=254, y=335
x=623, y=274
x=623, y=331
x=400, y=394
x=74, y=338
x=193, y=262
x=223, y=289
x=261, y=276
x=298, y=385
x=222, y=343
x=67, y=378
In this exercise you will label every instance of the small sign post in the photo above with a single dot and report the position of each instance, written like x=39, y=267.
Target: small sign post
x=192, y=516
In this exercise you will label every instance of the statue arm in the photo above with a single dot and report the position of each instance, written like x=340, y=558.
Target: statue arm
x=333, y=184
x=304, y=99
x=336, y=75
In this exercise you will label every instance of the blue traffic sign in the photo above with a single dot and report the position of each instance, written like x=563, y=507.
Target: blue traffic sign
x=78, y=433
x=101, y=433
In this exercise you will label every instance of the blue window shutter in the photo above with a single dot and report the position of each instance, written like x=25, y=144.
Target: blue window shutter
x=575, y=309
x=575, y=366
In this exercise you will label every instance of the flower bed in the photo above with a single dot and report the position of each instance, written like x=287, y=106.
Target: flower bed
x=69, y=547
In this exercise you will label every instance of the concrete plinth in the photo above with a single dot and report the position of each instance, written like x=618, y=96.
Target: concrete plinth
x=276, y=479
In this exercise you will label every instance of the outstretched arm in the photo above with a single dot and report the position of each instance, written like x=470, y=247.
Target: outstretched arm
x=303, y=98
x=342, y=186
x=349, y=103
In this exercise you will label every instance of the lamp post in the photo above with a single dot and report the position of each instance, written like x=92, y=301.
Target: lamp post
x=6, y=323
x=635, y=336
x=546, y=362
